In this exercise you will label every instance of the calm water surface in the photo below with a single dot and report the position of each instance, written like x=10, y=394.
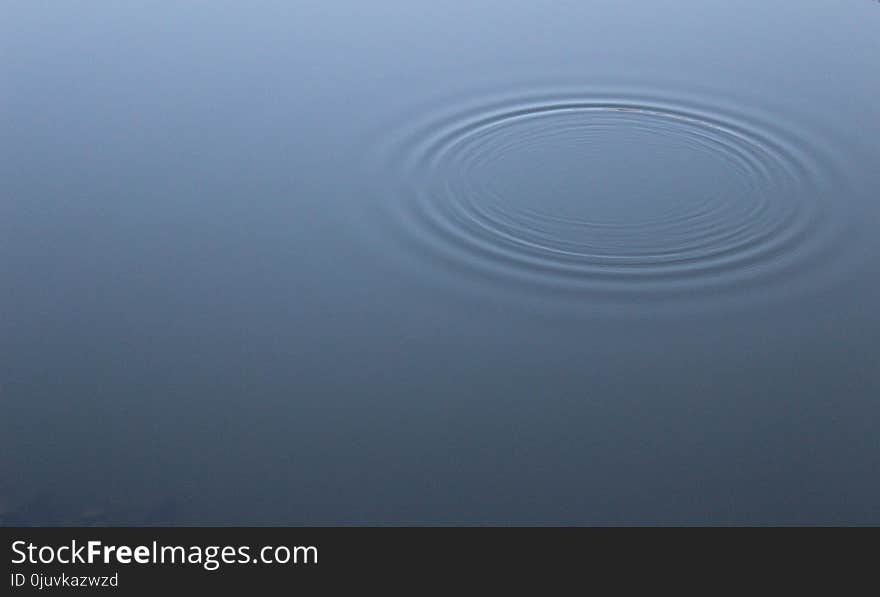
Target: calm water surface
x=451, y=262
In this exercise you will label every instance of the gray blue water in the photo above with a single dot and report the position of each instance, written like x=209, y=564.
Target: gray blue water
x=300, y=262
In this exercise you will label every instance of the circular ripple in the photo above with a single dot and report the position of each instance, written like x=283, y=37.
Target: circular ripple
x=617, y=194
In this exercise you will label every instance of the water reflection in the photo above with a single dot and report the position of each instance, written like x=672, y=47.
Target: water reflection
x=501, y=261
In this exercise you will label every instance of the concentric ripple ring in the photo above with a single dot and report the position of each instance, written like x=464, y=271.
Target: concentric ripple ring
x=618, y=193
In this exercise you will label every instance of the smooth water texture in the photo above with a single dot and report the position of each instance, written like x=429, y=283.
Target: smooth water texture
x=591, y=262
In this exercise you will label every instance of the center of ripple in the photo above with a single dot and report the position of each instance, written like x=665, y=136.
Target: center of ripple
x=597, y=186
x=601, y=168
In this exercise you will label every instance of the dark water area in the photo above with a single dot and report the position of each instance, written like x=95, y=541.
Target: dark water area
x=456, y=262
